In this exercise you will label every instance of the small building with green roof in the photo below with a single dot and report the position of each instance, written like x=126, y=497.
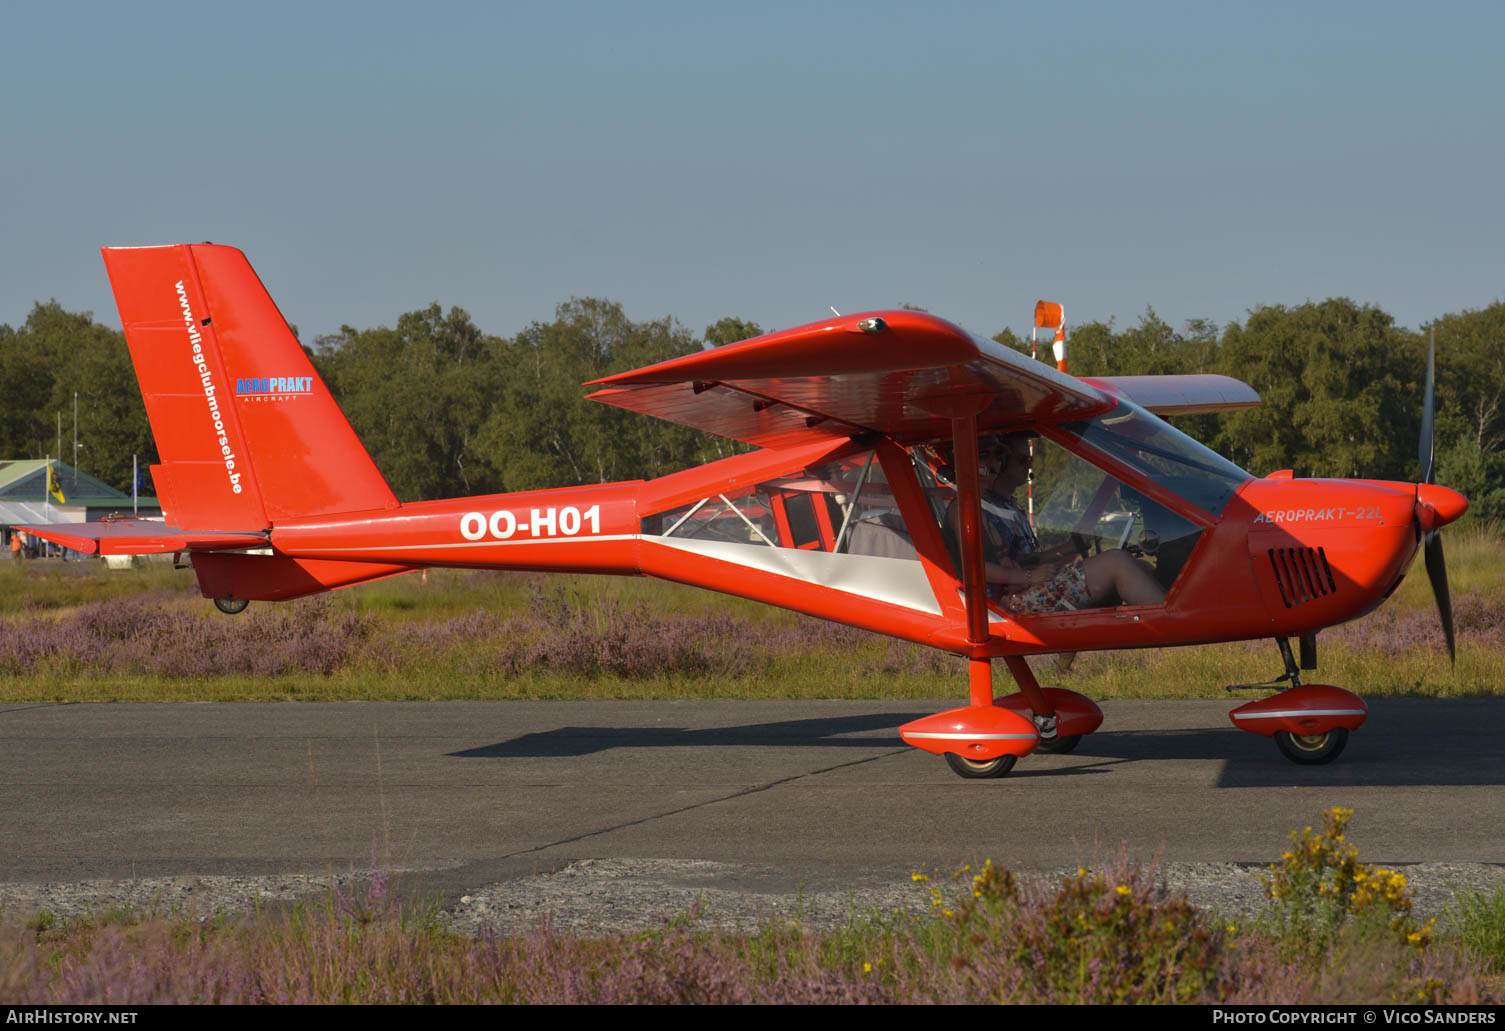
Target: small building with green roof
x=24, y=500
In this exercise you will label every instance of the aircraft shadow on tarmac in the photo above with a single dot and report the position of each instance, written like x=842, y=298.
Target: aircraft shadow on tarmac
x=824, y=733
x=1387, y=753
x=1371, y=760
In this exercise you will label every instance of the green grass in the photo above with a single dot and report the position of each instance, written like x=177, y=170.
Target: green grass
x=1477, y=922
x=53, y=585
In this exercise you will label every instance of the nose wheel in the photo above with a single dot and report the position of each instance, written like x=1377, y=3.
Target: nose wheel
x=1312, y=749
x=979, y=769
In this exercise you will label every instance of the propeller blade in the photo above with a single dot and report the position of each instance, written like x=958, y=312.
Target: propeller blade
x=1437, y=572
x=1425, y=449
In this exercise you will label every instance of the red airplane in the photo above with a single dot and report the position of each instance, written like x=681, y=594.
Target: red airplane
x=888, y=444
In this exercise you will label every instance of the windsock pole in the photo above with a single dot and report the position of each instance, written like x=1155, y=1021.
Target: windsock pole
x=47, y=503
x=1048, y=315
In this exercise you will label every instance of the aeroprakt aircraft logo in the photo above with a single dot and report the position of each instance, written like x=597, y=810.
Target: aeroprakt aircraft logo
x=273, y=388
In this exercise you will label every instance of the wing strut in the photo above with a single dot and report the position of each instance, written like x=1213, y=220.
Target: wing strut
x=974, y=572
x=969, y=500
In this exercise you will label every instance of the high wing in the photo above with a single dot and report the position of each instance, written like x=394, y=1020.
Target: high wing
x=899, y=373
x=895, y=372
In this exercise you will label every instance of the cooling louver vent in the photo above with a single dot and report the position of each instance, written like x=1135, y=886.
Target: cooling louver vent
x=1302, y=574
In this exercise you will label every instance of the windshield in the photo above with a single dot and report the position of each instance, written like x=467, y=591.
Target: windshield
x=1164, y=454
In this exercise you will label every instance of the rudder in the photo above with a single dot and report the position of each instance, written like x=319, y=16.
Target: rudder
x=247, y=431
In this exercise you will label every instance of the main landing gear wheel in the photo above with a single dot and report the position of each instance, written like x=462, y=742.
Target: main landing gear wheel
x=1059, y=745
x=231, y=606
x=1312, y=749
x=1050, y=741
x=976, y=769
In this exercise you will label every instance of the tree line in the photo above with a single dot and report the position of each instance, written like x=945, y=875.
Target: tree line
x=446, y=409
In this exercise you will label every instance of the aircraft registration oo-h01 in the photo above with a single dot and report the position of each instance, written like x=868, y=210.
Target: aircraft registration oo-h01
x=889, y=446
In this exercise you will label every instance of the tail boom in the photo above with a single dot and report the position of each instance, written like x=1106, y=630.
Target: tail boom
x=585, y=528
x=242, y=576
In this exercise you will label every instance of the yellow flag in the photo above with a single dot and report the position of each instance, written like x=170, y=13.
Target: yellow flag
x=53, y=487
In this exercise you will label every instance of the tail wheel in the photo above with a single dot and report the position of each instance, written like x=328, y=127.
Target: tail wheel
x=1312, y=749
x=977, y=769
x=1059, y=745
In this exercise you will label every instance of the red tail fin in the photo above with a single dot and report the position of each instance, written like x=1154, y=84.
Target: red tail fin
x=246, y=429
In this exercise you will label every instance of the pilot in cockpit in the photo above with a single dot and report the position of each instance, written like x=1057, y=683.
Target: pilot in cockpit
x=1027, y=579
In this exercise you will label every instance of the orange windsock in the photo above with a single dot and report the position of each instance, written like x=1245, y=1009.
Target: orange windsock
x=1048, y=315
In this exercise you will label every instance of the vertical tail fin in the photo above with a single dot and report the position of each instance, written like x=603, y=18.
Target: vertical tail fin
x=247, y=431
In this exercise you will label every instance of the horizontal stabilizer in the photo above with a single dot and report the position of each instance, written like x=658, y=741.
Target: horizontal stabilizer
x=138, y=537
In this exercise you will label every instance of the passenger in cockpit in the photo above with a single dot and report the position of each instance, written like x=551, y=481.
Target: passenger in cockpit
x=1026, y=578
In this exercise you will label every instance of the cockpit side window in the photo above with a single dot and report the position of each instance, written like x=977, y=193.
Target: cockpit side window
x=841, y=507
x=836, y=524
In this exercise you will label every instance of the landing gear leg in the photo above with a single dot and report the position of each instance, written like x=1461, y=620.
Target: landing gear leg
x=1292, y=673
x=1291, y=678
x=1042, y=709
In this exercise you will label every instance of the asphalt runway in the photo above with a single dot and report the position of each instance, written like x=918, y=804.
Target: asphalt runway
x=787, y=795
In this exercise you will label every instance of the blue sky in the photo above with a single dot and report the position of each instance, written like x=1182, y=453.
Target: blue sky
x=764, y=160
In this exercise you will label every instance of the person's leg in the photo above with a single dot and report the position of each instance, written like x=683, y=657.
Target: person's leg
x=1116, y=571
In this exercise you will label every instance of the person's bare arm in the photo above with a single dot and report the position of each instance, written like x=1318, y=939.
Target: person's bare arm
x=999, y=570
